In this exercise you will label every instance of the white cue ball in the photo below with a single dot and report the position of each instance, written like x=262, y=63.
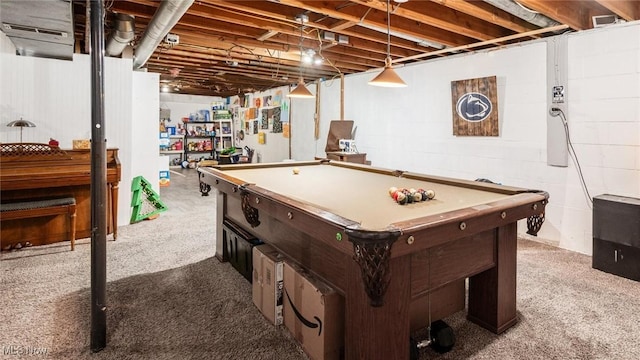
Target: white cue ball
x=296, y=171
x=431, y=194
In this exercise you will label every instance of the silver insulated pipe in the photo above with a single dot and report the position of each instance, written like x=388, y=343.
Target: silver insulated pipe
x=122, y=35
x=165, y=18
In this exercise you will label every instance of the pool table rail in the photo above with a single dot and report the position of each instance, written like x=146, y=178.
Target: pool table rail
x=434, y=230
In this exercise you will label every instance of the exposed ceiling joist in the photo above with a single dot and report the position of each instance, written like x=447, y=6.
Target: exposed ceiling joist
x=227, y=47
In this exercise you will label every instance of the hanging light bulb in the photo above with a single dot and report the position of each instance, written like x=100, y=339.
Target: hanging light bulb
x=307, y=56
x=388, y=76
x=301, y=90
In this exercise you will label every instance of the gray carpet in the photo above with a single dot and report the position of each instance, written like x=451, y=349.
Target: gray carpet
x=169, y=298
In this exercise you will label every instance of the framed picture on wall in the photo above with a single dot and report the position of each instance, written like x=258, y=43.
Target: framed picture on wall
x=475, y=107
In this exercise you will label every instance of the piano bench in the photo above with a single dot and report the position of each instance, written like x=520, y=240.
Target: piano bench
x=42, y=207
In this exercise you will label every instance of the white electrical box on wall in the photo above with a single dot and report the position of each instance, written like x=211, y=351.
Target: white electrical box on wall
x=557, y=104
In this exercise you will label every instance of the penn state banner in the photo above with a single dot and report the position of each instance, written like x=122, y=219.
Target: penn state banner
x=475, y=107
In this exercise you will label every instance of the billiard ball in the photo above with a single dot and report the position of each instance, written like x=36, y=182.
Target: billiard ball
x=296, y=171
x=431, y=194
x=402, y=198
x=392, y=190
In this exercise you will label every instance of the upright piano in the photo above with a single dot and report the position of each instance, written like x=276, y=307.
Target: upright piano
x=32, y=171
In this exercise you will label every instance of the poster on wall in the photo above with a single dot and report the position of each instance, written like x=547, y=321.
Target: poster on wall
x=475, y=107
x=264, y=120
x=277, y=124
x=284, y=111
x=252, y=113
x=277, y=98
x=285, y=130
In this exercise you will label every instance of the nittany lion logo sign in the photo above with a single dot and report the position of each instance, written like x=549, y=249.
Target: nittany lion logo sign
x=474, y=107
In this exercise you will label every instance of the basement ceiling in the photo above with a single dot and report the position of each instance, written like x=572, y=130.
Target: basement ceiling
x=227, y=48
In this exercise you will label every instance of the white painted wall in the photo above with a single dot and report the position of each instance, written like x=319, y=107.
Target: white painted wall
x=304, y=145
x=56, y=96
x=411, y=128
x=143, y=130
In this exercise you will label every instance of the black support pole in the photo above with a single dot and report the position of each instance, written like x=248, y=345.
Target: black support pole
x=98, y=184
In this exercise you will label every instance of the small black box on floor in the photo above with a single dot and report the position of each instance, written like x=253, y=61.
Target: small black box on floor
x=238, y=248
x=616, y=235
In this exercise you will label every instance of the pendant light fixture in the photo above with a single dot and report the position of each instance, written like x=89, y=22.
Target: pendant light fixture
x=301, y=90
x=388, y=76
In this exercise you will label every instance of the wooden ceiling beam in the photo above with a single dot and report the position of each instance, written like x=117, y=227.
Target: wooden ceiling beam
x=488, y=13
x=448, y=19
x=360, y=15
x=572, y=13
x=628, y=10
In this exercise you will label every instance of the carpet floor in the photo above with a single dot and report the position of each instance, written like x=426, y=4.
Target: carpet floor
x=168, y=297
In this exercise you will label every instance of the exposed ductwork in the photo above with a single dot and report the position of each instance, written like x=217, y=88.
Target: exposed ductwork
x=122, y=35
x=165, y=18
x=514, y=8
x=39, y=28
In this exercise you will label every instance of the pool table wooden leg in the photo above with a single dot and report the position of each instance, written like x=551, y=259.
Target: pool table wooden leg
x=492, y=293
x=378, y=332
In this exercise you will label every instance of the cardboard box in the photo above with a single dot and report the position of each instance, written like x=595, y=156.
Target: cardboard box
x=165, y=178
x=313, y=313
x=81, y=144
x=268, y=282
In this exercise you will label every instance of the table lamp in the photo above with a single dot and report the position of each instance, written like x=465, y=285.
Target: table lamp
x=21, y=124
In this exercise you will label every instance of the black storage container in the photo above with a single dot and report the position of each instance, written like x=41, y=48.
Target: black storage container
x=238, y=248
x=616, y=235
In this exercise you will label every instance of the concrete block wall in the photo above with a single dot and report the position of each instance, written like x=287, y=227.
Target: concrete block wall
x=411, y=128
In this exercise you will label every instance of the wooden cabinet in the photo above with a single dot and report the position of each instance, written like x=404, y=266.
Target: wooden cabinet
x=359, y=158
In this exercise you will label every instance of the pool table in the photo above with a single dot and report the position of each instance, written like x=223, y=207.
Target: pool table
x=338, y=221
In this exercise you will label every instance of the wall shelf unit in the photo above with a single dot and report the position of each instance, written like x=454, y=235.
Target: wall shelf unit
x=172, y=146
x=199, y=141
x=224, y=129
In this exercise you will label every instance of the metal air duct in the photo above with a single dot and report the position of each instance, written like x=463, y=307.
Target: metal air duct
x=39, y=28
x=122, y=35
x=514, y=8
x=165, y=18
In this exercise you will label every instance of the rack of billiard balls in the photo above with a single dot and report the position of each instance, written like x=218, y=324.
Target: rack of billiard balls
x=407, y=196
